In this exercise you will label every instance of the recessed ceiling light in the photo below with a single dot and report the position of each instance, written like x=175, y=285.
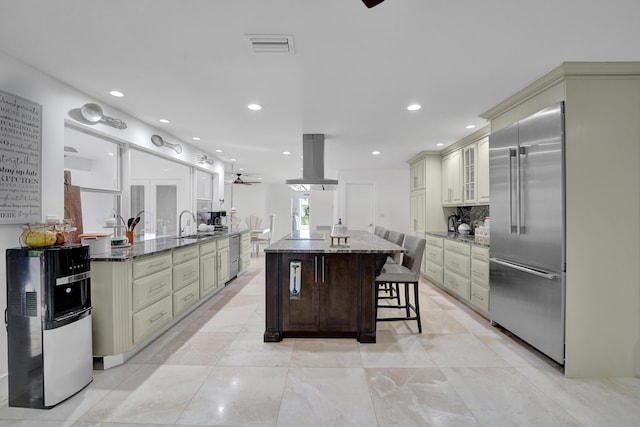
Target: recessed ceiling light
x=286, y=153
x=241, y=169
x=254, y=107
x=218, y=151
x=116, y=93
x=470, y=126
x=440, y=145
x=260, y=178
x=196, y=138
x=111, y=154
x=375, y=153
x=233, y=160
x=165, y=170
x=164, y=121
x=414, y=107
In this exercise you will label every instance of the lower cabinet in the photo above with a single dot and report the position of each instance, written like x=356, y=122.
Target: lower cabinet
x=135, y=298
x=152, y=318
x=480, y=277
x=245, y=251
x=460, y=268
x=326, y=299
x=208, y=268
x=223, y=261
x=185, y=298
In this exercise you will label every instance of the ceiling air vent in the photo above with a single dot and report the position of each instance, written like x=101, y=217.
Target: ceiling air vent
x=270, y=43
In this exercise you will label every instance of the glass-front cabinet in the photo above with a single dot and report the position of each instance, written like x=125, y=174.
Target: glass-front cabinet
x=469, y=173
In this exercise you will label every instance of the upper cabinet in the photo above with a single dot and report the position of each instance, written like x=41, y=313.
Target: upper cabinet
x=452, y=179
x=465, y=171
x=417, y=173
x=425, y=210
x=483, y=171
x=469, y=173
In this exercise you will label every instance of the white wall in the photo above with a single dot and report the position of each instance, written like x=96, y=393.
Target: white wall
x=57, y=100
x=391, y=195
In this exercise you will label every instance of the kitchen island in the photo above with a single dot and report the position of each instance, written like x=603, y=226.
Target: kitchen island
x=316, y=289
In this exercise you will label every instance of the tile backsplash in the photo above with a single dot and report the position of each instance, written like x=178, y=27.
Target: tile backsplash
x=473, y=215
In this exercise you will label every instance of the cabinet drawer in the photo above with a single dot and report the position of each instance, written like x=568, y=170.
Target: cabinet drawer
x=457, y=284
x=434, y=272
x=208, y=247
x=479, y=252
x=223, y=243
x=150, y=289
x=186, y=273
x=458, y=247
x=150, y=265
x=151, y=318
x=185, y=254
x=480, y=297
x=434, y=254
x=245, y=237
x=480, y=272
x=434, y=241
x=185, y=298
x=457, y=263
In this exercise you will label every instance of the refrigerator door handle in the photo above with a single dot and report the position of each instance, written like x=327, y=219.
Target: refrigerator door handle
x=512, y=153
x=539, y=273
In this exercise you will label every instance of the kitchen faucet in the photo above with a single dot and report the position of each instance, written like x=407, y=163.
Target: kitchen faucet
x=180, y=220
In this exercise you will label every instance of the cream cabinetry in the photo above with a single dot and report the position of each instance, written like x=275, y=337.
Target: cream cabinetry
x=136, y=299
x=434, y=259
x=150, y=290
x=416, y=211
x=457, y=267
x=223, y=261
x=465, y=171
x=245, y=251
x=483, y=171
x=186, y=278
x=480, y=277
x=452, y=179
x=469, y=174
x=208, y=267
x=461, y=268
x=417, y=175
x=425, y=209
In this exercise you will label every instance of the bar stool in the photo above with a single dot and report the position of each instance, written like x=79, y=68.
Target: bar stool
x=407, y=273
x=391, y=290
x=380, y=231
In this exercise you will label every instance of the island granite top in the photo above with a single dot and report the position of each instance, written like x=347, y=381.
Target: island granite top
x=155, y=246
x=358, y=242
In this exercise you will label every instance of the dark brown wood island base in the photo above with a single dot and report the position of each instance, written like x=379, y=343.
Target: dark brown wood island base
x=316, y=290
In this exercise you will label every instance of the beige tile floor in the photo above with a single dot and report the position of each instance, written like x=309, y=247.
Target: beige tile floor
x=213, y=369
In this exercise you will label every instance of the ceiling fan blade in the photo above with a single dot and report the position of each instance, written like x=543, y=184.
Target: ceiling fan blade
x=371, y=3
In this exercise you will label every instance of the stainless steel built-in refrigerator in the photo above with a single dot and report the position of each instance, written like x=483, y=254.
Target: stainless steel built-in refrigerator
x=527, y=254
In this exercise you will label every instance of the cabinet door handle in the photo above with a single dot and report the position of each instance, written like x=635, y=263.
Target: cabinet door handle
x=315, y=269
x=323, y=269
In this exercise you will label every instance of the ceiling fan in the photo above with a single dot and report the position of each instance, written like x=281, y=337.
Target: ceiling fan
x=238, y=180
x=371, y=3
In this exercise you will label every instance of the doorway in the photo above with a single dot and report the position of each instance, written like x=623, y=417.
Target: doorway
x=359, y=206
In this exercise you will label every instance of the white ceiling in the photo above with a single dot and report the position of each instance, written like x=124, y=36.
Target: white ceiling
x=352, y=75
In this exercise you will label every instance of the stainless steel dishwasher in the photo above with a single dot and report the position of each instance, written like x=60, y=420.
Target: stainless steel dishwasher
x=234, y=255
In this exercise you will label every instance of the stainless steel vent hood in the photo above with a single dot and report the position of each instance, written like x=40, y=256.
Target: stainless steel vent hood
x=312, y=166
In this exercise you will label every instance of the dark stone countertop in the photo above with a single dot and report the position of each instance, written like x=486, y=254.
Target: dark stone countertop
x=358, y=242
x=155, y=246
x=464, y=238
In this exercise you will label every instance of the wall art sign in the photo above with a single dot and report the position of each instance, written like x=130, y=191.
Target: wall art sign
x=20, y=160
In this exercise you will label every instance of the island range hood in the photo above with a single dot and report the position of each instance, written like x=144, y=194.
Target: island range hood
x=312, y=166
